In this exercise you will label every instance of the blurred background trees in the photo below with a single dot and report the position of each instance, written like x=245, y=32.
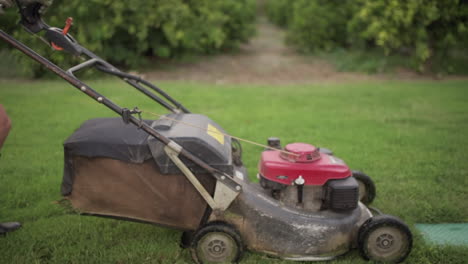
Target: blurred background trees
x=125, y=32
x=423, y=30
x=426, y=35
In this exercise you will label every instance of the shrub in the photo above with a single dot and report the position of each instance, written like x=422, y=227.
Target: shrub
x=420, y=29
x=319, y=24
x=280, y=12
x=124, y=31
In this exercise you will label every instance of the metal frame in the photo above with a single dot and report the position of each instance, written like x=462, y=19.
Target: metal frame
x=224, y=193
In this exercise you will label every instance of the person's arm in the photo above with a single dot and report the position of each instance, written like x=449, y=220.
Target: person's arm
x=5, y=125
x=4, y=4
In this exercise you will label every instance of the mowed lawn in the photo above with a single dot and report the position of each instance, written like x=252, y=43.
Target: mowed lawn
x=411, y=137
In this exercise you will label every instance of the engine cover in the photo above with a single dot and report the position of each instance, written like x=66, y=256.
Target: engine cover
x=314, y=167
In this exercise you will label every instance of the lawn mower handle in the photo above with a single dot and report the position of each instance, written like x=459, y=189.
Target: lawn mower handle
x=135, y=81
x=61, y=40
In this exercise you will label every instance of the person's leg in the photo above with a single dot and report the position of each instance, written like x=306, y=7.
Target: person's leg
x=5, y=125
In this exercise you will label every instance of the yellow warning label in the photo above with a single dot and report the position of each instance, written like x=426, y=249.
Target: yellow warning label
x=216, y=134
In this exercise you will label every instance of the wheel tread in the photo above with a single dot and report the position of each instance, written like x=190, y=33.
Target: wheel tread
x=370, y=186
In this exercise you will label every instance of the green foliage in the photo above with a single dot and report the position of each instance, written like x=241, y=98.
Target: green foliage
x=319, y=25
x=240, y=15
x=423, y=27
x=419, y=29
x=124, y=31
x=280, y=11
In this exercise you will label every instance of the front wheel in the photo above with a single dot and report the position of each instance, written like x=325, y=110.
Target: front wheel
x=217, y=243
x=385, y=238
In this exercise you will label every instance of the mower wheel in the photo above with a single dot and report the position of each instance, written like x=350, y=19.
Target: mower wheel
x=384, y=238
x=186, y=239
x=217, y=243
x=366, y=187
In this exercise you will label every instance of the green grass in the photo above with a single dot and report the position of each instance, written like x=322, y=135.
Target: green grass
x=372, y=61
x=368, y=61
x=411, y=137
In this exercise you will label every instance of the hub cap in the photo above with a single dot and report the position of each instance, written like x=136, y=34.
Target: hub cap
x=216, y=247
x=386, y=243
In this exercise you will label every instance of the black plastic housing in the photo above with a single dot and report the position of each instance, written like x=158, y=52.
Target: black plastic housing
x=197, y=134
x=342, y=195
x=271, y=185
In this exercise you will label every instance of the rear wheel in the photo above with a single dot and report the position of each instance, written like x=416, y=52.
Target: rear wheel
x=385, y=238
x=186, y=239
x=217, y=243
x=366, y=187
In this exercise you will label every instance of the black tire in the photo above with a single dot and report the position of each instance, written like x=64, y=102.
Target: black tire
x=217, y=243
x=385, y=238
x=186, y=239
x=367, y=190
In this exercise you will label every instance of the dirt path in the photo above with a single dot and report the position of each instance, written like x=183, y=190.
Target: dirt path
x=265, y=60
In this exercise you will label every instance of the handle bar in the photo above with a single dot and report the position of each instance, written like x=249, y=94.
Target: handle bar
x=60, y=39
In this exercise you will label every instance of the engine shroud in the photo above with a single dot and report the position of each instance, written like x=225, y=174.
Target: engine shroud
x=285, y=169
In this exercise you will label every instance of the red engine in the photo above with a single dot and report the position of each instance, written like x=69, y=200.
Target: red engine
x=302, y=176
x=305, y=163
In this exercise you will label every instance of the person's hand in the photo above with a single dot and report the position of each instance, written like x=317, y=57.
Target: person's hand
x=27, y=2
x=5, y=4
x=44, y=4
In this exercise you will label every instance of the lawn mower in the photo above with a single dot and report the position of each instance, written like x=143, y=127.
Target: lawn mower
x=183, y=171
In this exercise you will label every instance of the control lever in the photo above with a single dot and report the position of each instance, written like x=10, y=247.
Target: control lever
x=68, y=24
x=60, y=39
